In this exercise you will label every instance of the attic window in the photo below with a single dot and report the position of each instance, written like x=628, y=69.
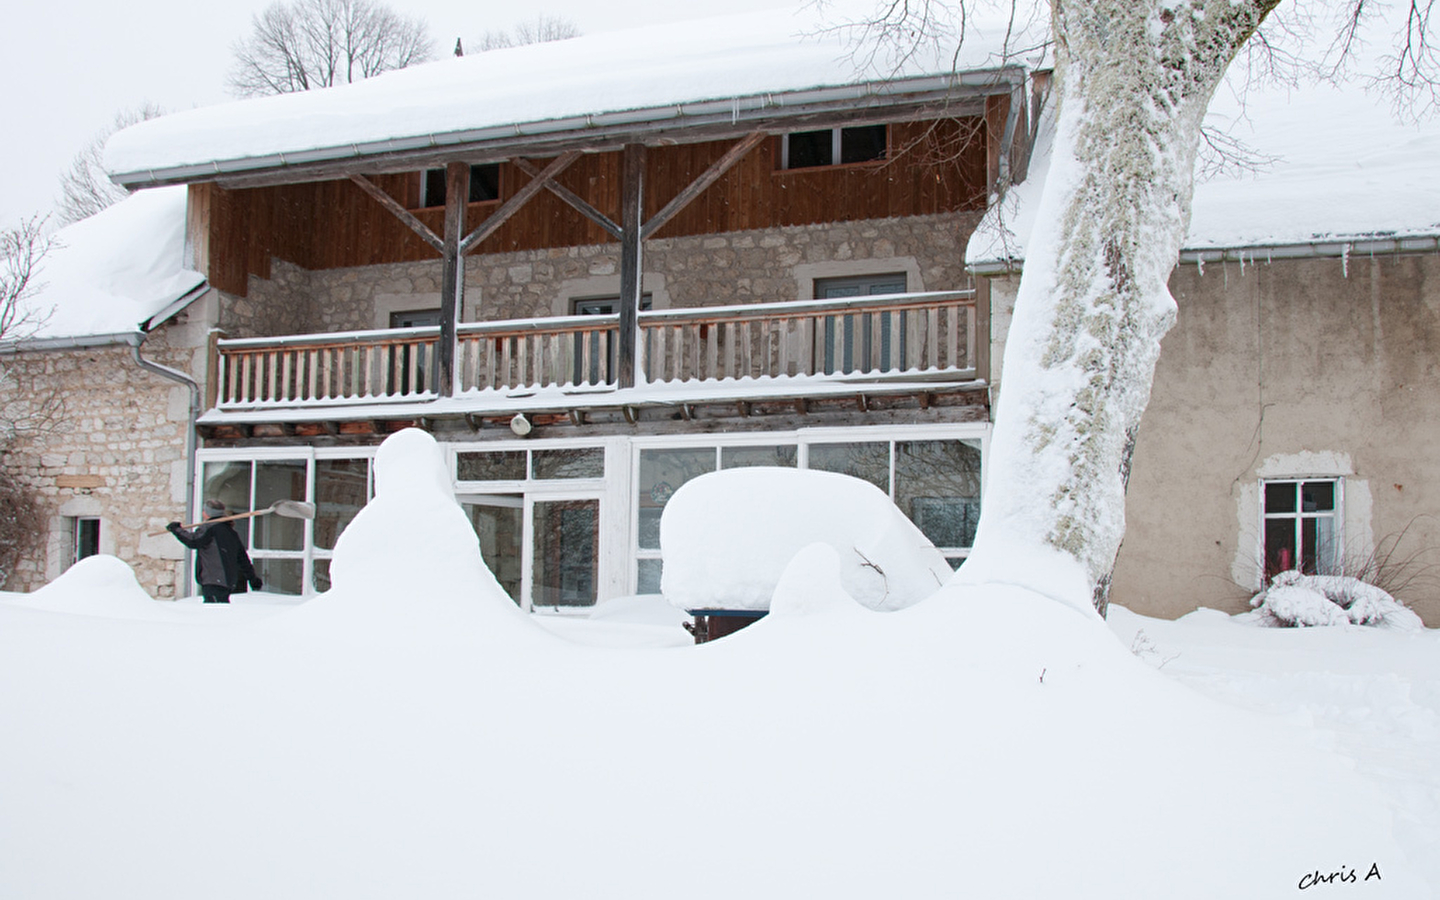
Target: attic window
x=833, y=146
x=484, y=185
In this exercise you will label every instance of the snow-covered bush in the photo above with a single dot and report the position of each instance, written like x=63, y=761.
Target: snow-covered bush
x=1294, y=600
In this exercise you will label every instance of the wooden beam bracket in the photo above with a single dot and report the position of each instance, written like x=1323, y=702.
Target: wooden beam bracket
x=400, y=212
x=522, y=196
x=570, y=197
x=698, y=186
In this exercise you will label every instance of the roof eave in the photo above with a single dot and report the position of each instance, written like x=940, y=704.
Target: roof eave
x=742, y=113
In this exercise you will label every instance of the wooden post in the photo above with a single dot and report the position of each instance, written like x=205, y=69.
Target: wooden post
x=632, y=209
x=452, y=277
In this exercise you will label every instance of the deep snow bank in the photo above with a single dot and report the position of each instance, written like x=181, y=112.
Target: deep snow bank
x=410, y=559
x=100, y=585
x=726, y=537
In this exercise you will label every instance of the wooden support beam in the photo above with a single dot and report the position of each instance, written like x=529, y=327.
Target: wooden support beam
x=570, y=197
x=512, y=206
x=399, y=212
x=452, y=275
x=632, y=209
x=473, y=421
x=707, y=178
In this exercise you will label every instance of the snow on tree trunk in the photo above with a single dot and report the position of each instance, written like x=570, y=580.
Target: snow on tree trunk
x=1133, y=79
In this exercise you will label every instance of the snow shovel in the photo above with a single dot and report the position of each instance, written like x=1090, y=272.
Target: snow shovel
x=291, y=509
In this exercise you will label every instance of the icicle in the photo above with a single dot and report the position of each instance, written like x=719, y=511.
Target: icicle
x=1200, y=264
x=1345, y=261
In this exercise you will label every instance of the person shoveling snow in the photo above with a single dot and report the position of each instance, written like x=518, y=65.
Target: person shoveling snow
x=222, y=567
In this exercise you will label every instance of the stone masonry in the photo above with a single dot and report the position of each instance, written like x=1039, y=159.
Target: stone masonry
x=116, y=453
x=712, y=270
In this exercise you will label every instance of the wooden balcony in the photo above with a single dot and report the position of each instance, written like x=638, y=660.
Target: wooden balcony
x=848, y=339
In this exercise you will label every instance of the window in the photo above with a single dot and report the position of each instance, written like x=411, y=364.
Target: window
x=537, y=515
x=277, y=544
x=833, y=146
x=936, y=483
x=84, y=537
x=850, y=339
x=595, y=364
x=484, y=185
x=1302, y=525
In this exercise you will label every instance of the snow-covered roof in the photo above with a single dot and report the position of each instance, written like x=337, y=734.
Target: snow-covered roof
x=747, y=64
x=1336, y=166
x=113, y=272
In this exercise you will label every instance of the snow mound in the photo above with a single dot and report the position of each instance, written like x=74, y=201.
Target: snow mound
x=411, y=555
x=810, y=583
x=727, y=537
x=96, y=585
x=1294, y=600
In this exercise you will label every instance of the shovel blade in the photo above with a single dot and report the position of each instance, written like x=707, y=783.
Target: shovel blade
x=294, y=509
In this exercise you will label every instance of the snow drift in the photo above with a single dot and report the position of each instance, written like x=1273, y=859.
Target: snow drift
x=726, y=538
x=989, y=743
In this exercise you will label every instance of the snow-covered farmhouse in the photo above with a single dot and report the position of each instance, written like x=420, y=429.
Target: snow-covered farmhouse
x=598, y=268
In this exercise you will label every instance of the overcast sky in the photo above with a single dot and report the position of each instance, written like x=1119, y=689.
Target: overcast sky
x=68, y=68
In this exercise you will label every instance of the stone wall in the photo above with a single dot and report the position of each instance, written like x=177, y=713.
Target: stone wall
x=1296, y=368
x=117, y=452
x=737, y=267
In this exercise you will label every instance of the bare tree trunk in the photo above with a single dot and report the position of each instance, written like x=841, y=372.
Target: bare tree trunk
x=1134, y=78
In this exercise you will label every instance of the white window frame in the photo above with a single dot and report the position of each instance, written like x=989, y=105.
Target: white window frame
x=611, y=490
x=309, y=553
x=803, y=439
x=1336, y=515
x=75, y=523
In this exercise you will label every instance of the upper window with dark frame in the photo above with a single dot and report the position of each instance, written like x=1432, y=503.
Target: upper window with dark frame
x=834, y=146
x=484, y=185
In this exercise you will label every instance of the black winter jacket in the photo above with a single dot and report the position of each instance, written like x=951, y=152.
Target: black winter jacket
x=221, y=560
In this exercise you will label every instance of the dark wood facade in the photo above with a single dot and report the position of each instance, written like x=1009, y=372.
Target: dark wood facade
x=935, y=166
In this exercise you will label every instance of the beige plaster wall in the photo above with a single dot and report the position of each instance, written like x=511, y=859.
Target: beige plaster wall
x=122, y=426
x=737, y=267
x=1281, y=369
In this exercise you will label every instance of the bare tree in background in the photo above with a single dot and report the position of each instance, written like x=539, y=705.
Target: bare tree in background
x=539, y=30
x=301, y=45
x=22, y=413
x=85, y=189
x=1134, y=79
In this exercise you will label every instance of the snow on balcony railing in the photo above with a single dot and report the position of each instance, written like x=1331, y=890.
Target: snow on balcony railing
x=854, y=336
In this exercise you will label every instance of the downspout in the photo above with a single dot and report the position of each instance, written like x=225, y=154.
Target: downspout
x=135, y=340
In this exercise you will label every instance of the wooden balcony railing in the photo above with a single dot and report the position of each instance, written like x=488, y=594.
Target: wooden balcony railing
x=854, y=336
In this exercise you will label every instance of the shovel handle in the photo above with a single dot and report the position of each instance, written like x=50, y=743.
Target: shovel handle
x=258, y=512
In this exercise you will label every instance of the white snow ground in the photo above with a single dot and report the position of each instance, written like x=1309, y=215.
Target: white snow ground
x=404, y=736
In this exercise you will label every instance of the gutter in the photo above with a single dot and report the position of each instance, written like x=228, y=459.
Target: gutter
x=734, y=110
x=1261, y=253
x=135, y=339
x=81, y=342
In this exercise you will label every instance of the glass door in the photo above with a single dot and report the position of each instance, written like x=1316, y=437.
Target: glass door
x=499, y=523
x=544, y=549
x=565, y=553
